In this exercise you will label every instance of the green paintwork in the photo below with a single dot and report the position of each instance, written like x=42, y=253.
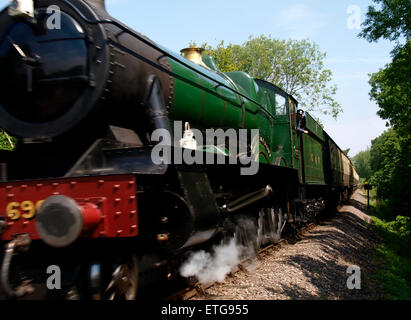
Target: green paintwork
x=336, y=165
x=281, y=144
x=210, y=99
x=339, y=177
x=210, y=62
x=296, y=152
x=205, y=104
x=313, y=161
x=314, y=126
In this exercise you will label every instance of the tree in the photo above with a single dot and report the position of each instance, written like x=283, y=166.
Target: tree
x=296, y=66
x=390, y=156
x=391, y=90
x=362, y=164
x=391, y=22
x=391, y=86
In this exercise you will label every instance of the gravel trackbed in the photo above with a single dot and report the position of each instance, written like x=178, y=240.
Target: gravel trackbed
x=313, y=268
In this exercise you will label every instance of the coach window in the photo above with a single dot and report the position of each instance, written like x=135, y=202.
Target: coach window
x=280, y=105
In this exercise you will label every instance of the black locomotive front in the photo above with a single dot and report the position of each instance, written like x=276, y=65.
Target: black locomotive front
x=72, y=61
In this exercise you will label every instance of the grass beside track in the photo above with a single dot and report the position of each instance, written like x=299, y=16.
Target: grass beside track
x=393, y=254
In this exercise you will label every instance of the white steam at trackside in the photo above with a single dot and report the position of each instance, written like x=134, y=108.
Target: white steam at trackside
x=213, y=267
x=210, y=267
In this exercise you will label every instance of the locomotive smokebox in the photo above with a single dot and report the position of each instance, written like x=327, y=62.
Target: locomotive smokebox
x=47, y=84
x=65, y=67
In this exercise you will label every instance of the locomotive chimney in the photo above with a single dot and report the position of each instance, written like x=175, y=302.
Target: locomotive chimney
x=194, y=55
x=98, y=4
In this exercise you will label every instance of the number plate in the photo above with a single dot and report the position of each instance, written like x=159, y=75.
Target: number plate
x=115, y=196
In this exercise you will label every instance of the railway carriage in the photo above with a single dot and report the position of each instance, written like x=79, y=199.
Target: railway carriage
x=82, y=191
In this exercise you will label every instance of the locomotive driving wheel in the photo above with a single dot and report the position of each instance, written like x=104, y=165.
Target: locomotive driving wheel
x=106, y=281
x=124, y=281
x=245, y=235
x=271, y=222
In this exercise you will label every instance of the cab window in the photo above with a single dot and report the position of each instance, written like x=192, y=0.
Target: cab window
x=280, y=105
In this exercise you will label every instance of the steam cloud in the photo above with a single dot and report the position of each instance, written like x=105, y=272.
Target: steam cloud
x=211, y=267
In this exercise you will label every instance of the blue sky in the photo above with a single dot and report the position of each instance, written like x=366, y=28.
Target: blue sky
x=174, y=24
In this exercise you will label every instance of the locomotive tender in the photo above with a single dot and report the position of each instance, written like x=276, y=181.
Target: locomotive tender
x=81, y=191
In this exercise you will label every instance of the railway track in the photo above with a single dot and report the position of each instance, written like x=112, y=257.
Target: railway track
x=198, y=289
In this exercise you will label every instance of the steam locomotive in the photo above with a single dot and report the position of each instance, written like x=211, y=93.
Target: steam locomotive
x=82, y=191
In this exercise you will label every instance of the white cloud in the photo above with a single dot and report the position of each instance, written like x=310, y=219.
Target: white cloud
x=301, y=21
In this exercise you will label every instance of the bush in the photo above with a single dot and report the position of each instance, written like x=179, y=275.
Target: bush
x=383, y=210
x=389, y=161
x=402, y=227
x=397, y=234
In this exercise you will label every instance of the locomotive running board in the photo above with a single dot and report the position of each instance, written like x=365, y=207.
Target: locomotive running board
x=110, y=157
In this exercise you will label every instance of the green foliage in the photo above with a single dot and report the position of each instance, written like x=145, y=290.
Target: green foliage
x=396, y=232
x=387, y=166
x=5, y=143
x=394, y=255
x=384, y=151
x=390, y=154
x=296, y=66
x=391, y=90
x=381, y=208
x=390, y=22
x=362, y=164
x=390, y=159
x=223, y=55
x=391, y=86
x=394, y=276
